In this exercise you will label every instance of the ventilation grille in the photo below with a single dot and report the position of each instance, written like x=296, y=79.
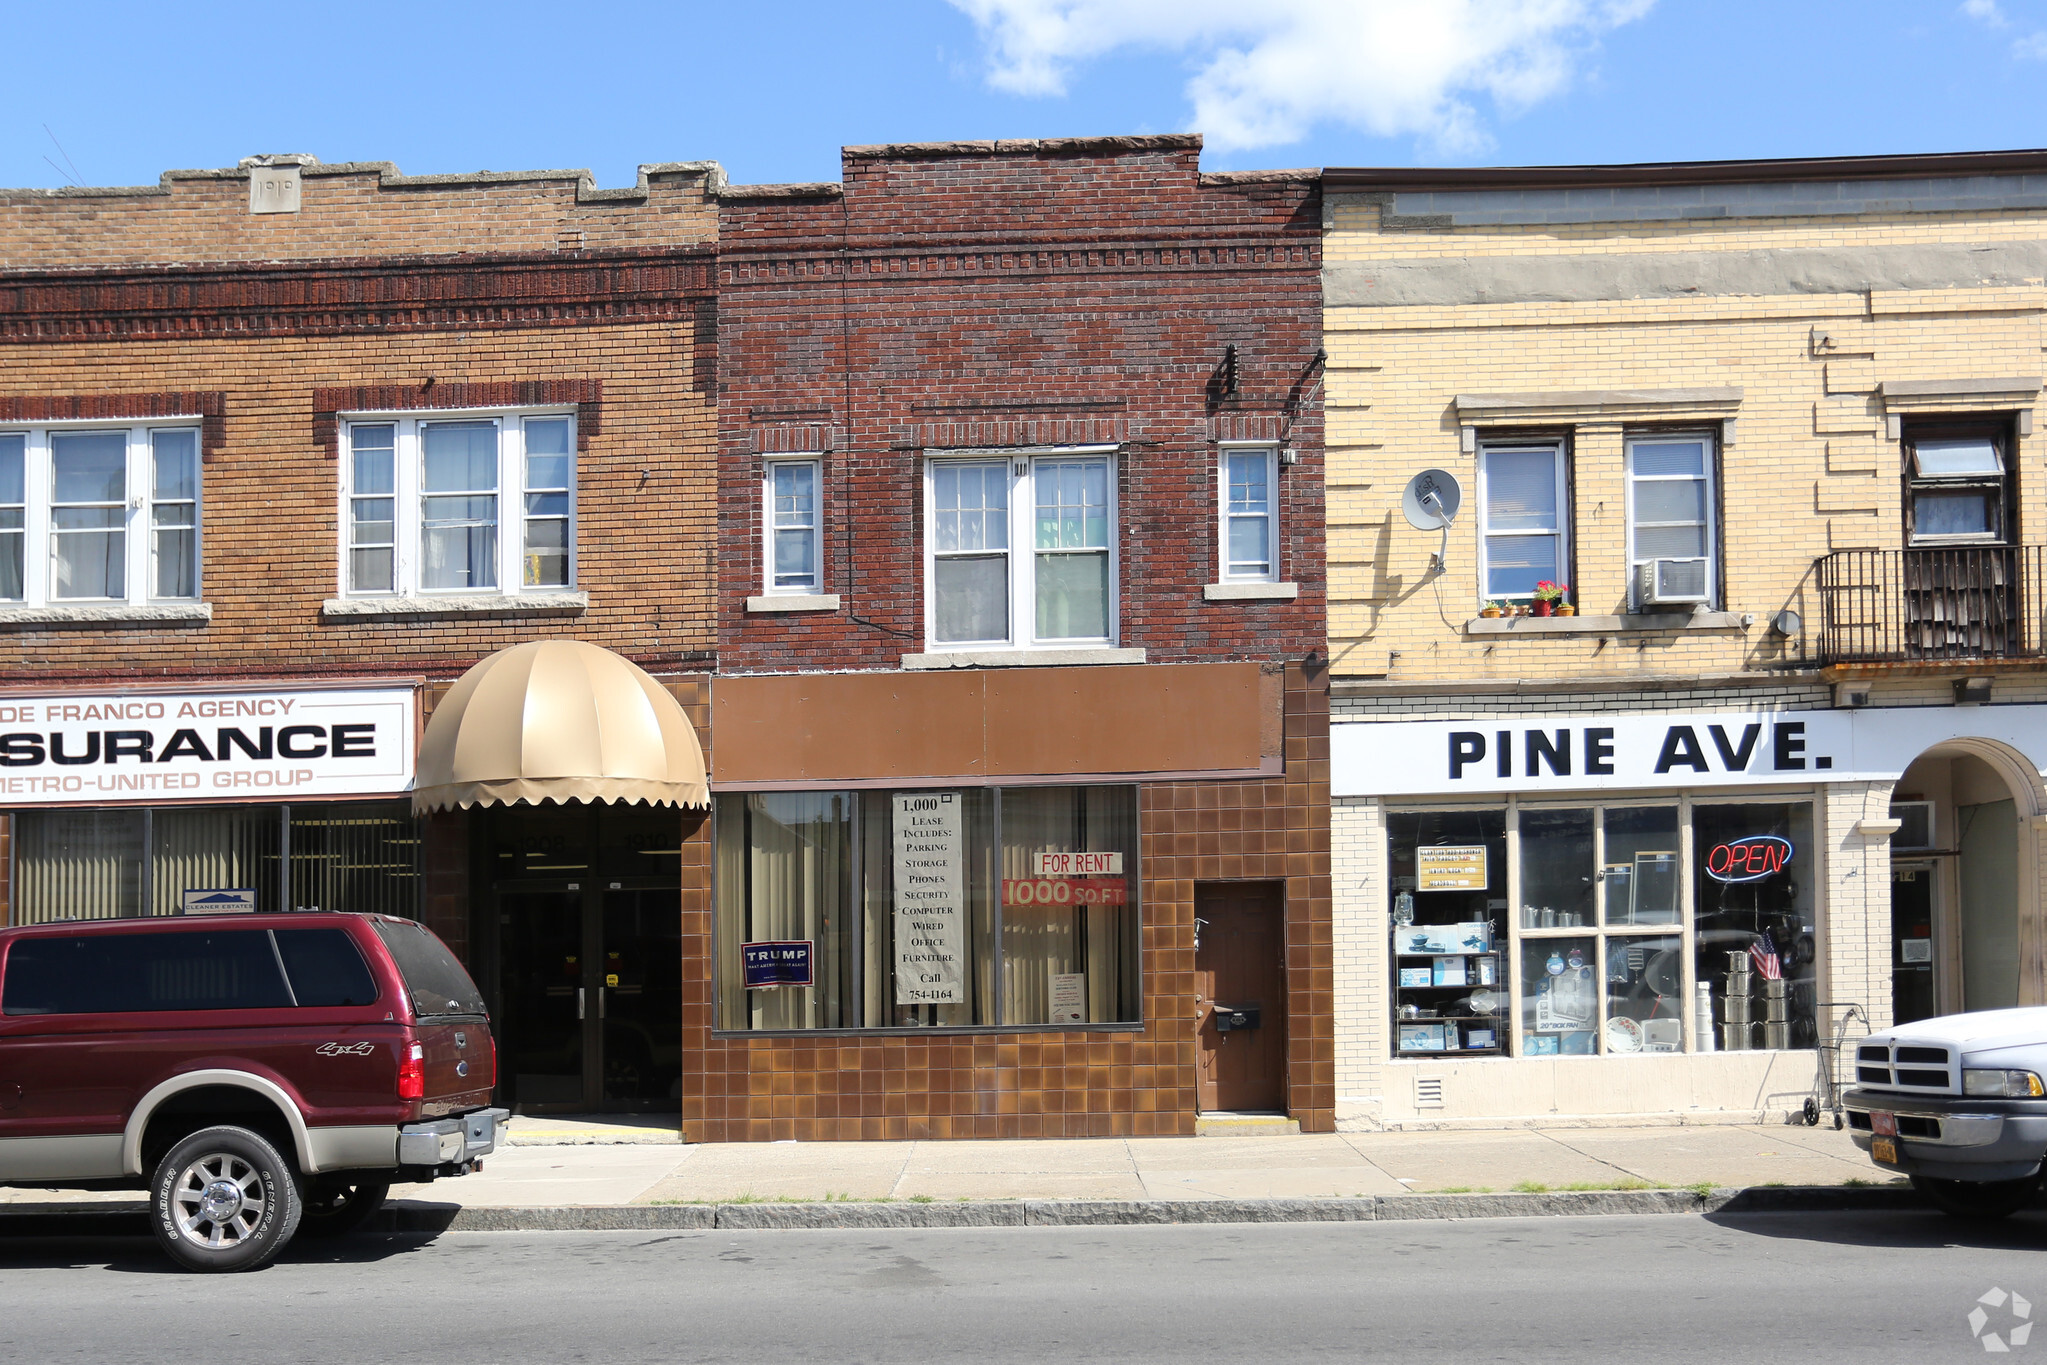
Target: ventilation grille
x=1428, y=1092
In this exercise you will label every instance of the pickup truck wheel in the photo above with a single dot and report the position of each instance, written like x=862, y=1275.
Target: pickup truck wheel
x=336, y=1205
x=1978, y=1199
x=224, y=1199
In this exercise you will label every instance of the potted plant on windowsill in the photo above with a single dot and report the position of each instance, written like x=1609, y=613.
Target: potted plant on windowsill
x=1547, y=597
x=1491, y=610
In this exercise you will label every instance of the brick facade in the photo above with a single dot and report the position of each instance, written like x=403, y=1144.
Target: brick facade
x=1803, y=315
x=1018, y=294
x=389, y=293
x=418, y=306
x=998, y=296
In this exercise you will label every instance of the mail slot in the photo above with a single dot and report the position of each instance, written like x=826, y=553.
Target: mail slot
x=1229, y=1018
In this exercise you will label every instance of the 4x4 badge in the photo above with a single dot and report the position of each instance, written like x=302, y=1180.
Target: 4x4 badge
x=346, y=1049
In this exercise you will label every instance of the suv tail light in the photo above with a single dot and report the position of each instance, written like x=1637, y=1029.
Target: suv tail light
x=412, y=1075
x=491, y=1045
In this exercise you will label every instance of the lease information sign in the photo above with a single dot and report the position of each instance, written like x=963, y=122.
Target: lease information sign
x=931, y=901
x=162, y=748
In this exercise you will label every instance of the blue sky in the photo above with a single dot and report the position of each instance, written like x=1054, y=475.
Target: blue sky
x=773, y=89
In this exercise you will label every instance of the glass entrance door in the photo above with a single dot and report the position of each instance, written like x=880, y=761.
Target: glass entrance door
x=640, y=998
x=542, y=996
x=1912, y=983
x=588, y=925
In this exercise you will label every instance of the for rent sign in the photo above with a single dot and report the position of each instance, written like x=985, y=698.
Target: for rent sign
x=163, y=748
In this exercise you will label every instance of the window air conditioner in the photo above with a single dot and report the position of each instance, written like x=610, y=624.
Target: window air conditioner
x=1915, y=824
x=1671, y=582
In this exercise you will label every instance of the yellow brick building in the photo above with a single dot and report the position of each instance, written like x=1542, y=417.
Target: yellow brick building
x=1771, y=423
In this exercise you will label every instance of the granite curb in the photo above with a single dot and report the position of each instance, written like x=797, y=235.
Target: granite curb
x=419, y=1216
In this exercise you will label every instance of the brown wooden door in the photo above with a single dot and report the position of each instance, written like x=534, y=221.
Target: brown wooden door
x=1241, y=962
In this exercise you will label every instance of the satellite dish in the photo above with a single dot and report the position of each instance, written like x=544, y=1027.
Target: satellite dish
x=1432, y=499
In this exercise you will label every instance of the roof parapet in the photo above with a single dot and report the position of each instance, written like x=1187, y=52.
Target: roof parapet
x=389, y=177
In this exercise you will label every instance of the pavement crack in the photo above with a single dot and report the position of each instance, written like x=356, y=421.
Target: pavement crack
x=1579, y=1151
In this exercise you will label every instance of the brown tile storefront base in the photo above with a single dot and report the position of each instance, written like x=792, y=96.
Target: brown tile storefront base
x=1058, y=1084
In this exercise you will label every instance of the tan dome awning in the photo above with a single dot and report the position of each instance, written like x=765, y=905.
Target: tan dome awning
x=558, y=720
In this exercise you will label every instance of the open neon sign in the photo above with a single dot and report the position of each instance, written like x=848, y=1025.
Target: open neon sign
x=1750, y=859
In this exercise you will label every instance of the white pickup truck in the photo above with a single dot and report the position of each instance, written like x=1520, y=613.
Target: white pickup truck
x=1959, y=1104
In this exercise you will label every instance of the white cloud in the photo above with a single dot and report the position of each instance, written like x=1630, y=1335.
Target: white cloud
x=2029, y=47
x=1267, y=72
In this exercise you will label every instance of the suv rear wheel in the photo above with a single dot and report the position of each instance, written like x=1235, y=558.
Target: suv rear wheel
x=340, y=1204
x=224, y=1199
x=1982, y=1199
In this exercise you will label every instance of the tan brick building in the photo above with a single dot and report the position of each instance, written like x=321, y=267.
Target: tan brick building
x=285, y=450
x=1771, y=424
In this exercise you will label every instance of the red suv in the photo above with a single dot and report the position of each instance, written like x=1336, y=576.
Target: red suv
x=261, y=1074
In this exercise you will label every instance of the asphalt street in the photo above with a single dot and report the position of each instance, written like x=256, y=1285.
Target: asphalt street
x=1756, y=1287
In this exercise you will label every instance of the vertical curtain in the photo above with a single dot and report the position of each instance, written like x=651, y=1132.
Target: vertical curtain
x=1099, y=941
x=793, y=860
x=77, y=864
x=211, y=848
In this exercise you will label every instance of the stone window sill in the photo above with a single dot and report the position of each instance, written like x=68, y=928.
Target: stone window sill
x=1250, y=592
x=792, y=601
x=106, y=614
x=1607, y=625
x=391, y=608
x=1021, y=658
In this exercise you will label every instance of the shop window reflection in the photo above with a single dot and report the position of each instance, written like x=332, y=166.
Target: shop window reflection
x=1755, y=939
x=928, y=909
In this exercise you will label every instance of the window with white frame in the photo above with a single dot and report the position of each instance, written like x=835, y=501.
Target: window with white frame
x=789, y=491
x=1249, y=508
x=1021, y=550
x=93, y=513
x=1670, y=518
x=1524, y=518
x=459, y=503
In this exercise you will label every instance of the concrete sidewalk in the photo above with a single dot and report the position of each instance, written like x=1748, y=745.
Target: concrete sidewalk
x=589, y=1162
x=598, y=1164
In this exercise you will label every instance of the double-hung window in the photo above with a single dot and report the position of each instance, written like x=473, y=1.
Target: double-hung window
x=789, y=490
x=1524, y=515
x=1021, y=550
x=97, y=514
x=1670, y=518
x=459, y=503
x=1249, y=507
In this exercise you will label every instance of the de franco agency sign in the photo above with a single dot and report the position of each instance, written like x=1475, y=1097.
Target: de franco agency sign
x=159, y=748
x=1589, y=752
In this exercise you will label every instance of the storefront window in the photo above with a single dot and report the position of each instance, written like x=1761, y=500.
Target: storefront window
x=1069, y=943
x=102, y=864
x=935, y=909
x=1755, y=943
x=1615, y=868
x=1597, y=944
x=1449, y=872
x=1559, y=996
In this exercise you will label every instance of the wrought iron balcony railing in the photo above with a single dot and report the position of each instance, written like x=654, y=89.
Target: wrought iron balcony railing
x=1932, y=605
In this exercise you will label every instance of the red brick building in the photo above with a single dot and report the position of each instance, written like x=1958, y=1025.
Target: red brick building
x=1021, y=773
